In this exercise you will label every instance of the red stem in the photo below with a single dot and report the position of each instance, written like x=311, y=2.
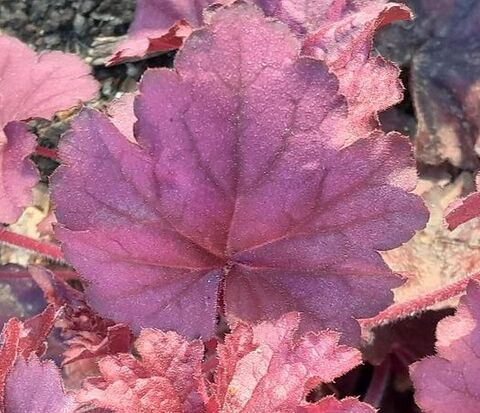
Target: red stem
x=45, y=249
x=46, y=152
x=13, y=274
x=409, y=308
x=378, y=384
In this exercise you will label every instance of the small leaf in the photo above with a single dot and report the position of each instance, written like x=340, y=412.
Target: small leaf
x=449, y=380
x=36, y=386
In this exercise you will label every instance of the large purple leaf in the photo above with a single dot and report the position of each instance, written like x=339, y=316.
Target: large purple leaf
x=243, y=184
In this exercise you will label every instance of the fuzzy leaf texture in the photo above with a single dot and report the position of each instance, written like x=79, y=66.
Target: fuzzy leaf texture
x=243, y=187
x=165, y=379
x=27, y=384
x=36, y=386
x=31, y=86
x=449, y=381
x=263, y=369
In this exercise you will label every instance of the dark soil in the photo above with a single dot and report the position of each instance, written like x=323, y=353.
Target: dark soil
x=68, y=25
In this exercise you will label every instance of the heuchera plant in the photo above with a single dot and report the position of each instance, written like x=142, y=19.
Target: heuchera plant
x=245, y=194
x=225, y=222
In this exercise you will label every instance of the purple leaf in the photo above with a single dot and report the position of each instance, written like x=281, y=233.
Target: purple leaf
x=449, y=381
x=36, y=386
x=243, y=184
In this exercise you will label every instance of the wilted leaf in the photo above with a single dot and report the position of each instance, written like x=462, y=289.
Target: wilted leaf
x=441, y=50
x=86, y=335
x=243, y=184
x=449, y=381
x=31, y=86
x=263, y=369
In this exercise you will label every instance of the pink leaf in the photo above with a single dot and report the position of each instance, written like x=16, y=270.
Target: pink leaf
x=370, y=84
x=449, y=381
x=35, y=386
x=243, y=184
x=165, y=379
x=22, y=339
x=31, y=86
x=17, y=173
x=39, y=85
x=263, y=369
x=332, y=405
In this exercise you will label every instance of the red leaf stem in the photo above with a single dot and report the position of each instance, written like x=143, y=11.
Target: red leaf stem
x=43, y=248
x=378, y=384
x=46, y=152
x=409, y=308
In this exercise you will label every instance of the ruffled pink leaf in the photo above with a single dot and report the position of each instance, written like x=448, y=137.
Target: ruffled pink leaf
x=31, y=85
x=36, y=386
x=463, y=210
x=39, y=85
x=449, y=381
x=370, y=83
x=243, y=184
x=264, y=369
x=165, y=378
x=332, y=405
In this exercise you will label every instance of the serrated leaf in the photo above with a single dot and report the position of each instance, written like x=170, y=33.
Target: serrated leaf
x=243, y=184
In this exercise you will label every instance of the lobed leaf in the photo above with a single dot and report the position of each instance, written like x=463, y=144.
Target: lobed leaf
x=165, y=379
x=263, y=369
x=242, y=184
